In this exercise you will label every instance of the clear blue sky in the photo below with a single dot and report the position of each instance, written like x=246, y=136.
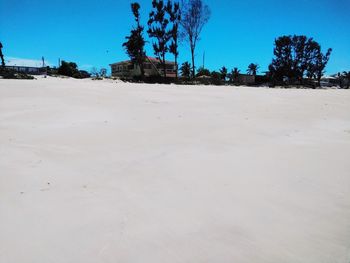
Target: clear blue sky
x=91, y=32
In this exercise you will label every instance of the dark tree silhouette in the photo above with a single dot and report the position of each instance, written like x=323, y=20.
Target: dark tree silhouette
x=203, y=72
x=194, y=15
x=70, y=69
x=2, y=56
x=320, y=63
x=234, y=75
x=174, y=12
x=297, y=56
x=223, y=73
x=158, y=28
x=185, y=70
x=252, y=69
x=346, y=76
x=135, y=44
x=216, y=75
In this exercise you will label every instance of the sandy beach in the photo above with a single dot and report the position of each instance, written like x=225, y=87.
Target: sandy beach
x=99, y=171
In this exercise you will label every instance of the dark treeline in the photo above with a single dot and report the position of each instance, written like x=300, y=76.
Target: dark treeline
x=297, y=61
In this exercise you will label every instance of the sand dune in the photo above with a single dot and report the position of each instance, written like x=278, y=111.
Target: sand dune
x=98, y=171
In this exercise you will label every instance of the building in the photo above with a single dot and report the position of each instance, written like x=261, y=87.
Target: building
x=27, y=66
x=245, y=79
x=152, y=67
x=28, y=70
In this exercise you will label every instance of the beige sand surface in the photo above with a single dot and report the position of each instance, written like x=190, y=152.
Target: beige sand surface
x=96, y=171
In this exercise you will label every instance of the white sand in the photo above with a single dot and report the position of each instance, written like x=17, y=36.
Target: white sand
x=94, y=171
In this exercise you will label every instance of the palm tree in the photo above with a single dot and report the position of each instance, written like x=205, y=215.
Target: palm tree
x=234, y=75
x=252, y=69
x=185, y=70
x=223, y=73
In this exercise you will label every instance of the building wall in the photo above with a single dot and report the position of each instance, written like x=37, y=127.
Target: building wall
x=246, y=79
x=28, y=70
x=127, y=70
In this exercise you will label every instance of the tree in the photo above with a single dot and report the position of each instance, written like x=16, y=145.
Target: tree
x=158, y=28
x=320, y=63
x=68, y=69
x=175, y=17
x=346, y=76
x=297, y=56
x=234, y=75
x=94, y=72
x=216, y=75
x=2, y=56
x=252, y=69
x=203, y=72
x=223, y=73
x=185, y=70
x=135, y=44
x=194, y=15
x=103, y=72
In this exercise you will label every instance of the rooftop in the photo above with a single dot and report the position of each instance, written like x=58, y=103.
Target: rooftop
x=151, y=59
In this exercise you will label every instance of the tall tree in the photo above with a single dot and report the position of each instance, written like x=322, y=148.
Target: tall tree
x=252, y=69
x=185, y=70
x=174, y=12
x=2, y=56
x=194, y=15
x=320, y=64
x=158, y=28
x=135, y=44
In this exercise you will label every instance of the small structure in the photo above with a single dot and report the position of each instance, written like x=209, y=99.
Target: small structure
x=245, y=79
x=152, y=67
x=27, y=66
x=28, y=70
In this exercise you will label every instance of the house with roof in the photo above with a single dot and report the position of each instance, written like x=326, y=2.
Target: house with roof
x=152, y=67
x=27, y=66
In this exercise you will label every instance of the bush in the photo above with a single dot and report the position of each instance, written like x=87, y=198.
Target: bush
x=13, y=74
x=70, y=69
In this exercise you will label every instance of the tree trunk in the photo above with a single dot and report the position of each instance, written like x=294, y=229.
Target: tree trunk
x=176, y=76
x=163, y=64
x=164, y=67
x=193, y=66
x=2, y=59
x=142, y=71
x=2, y=56
x=318, y=81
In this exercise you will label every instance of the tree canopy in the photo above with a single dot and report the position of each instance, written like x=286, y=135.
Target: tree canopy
x=296, y=57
